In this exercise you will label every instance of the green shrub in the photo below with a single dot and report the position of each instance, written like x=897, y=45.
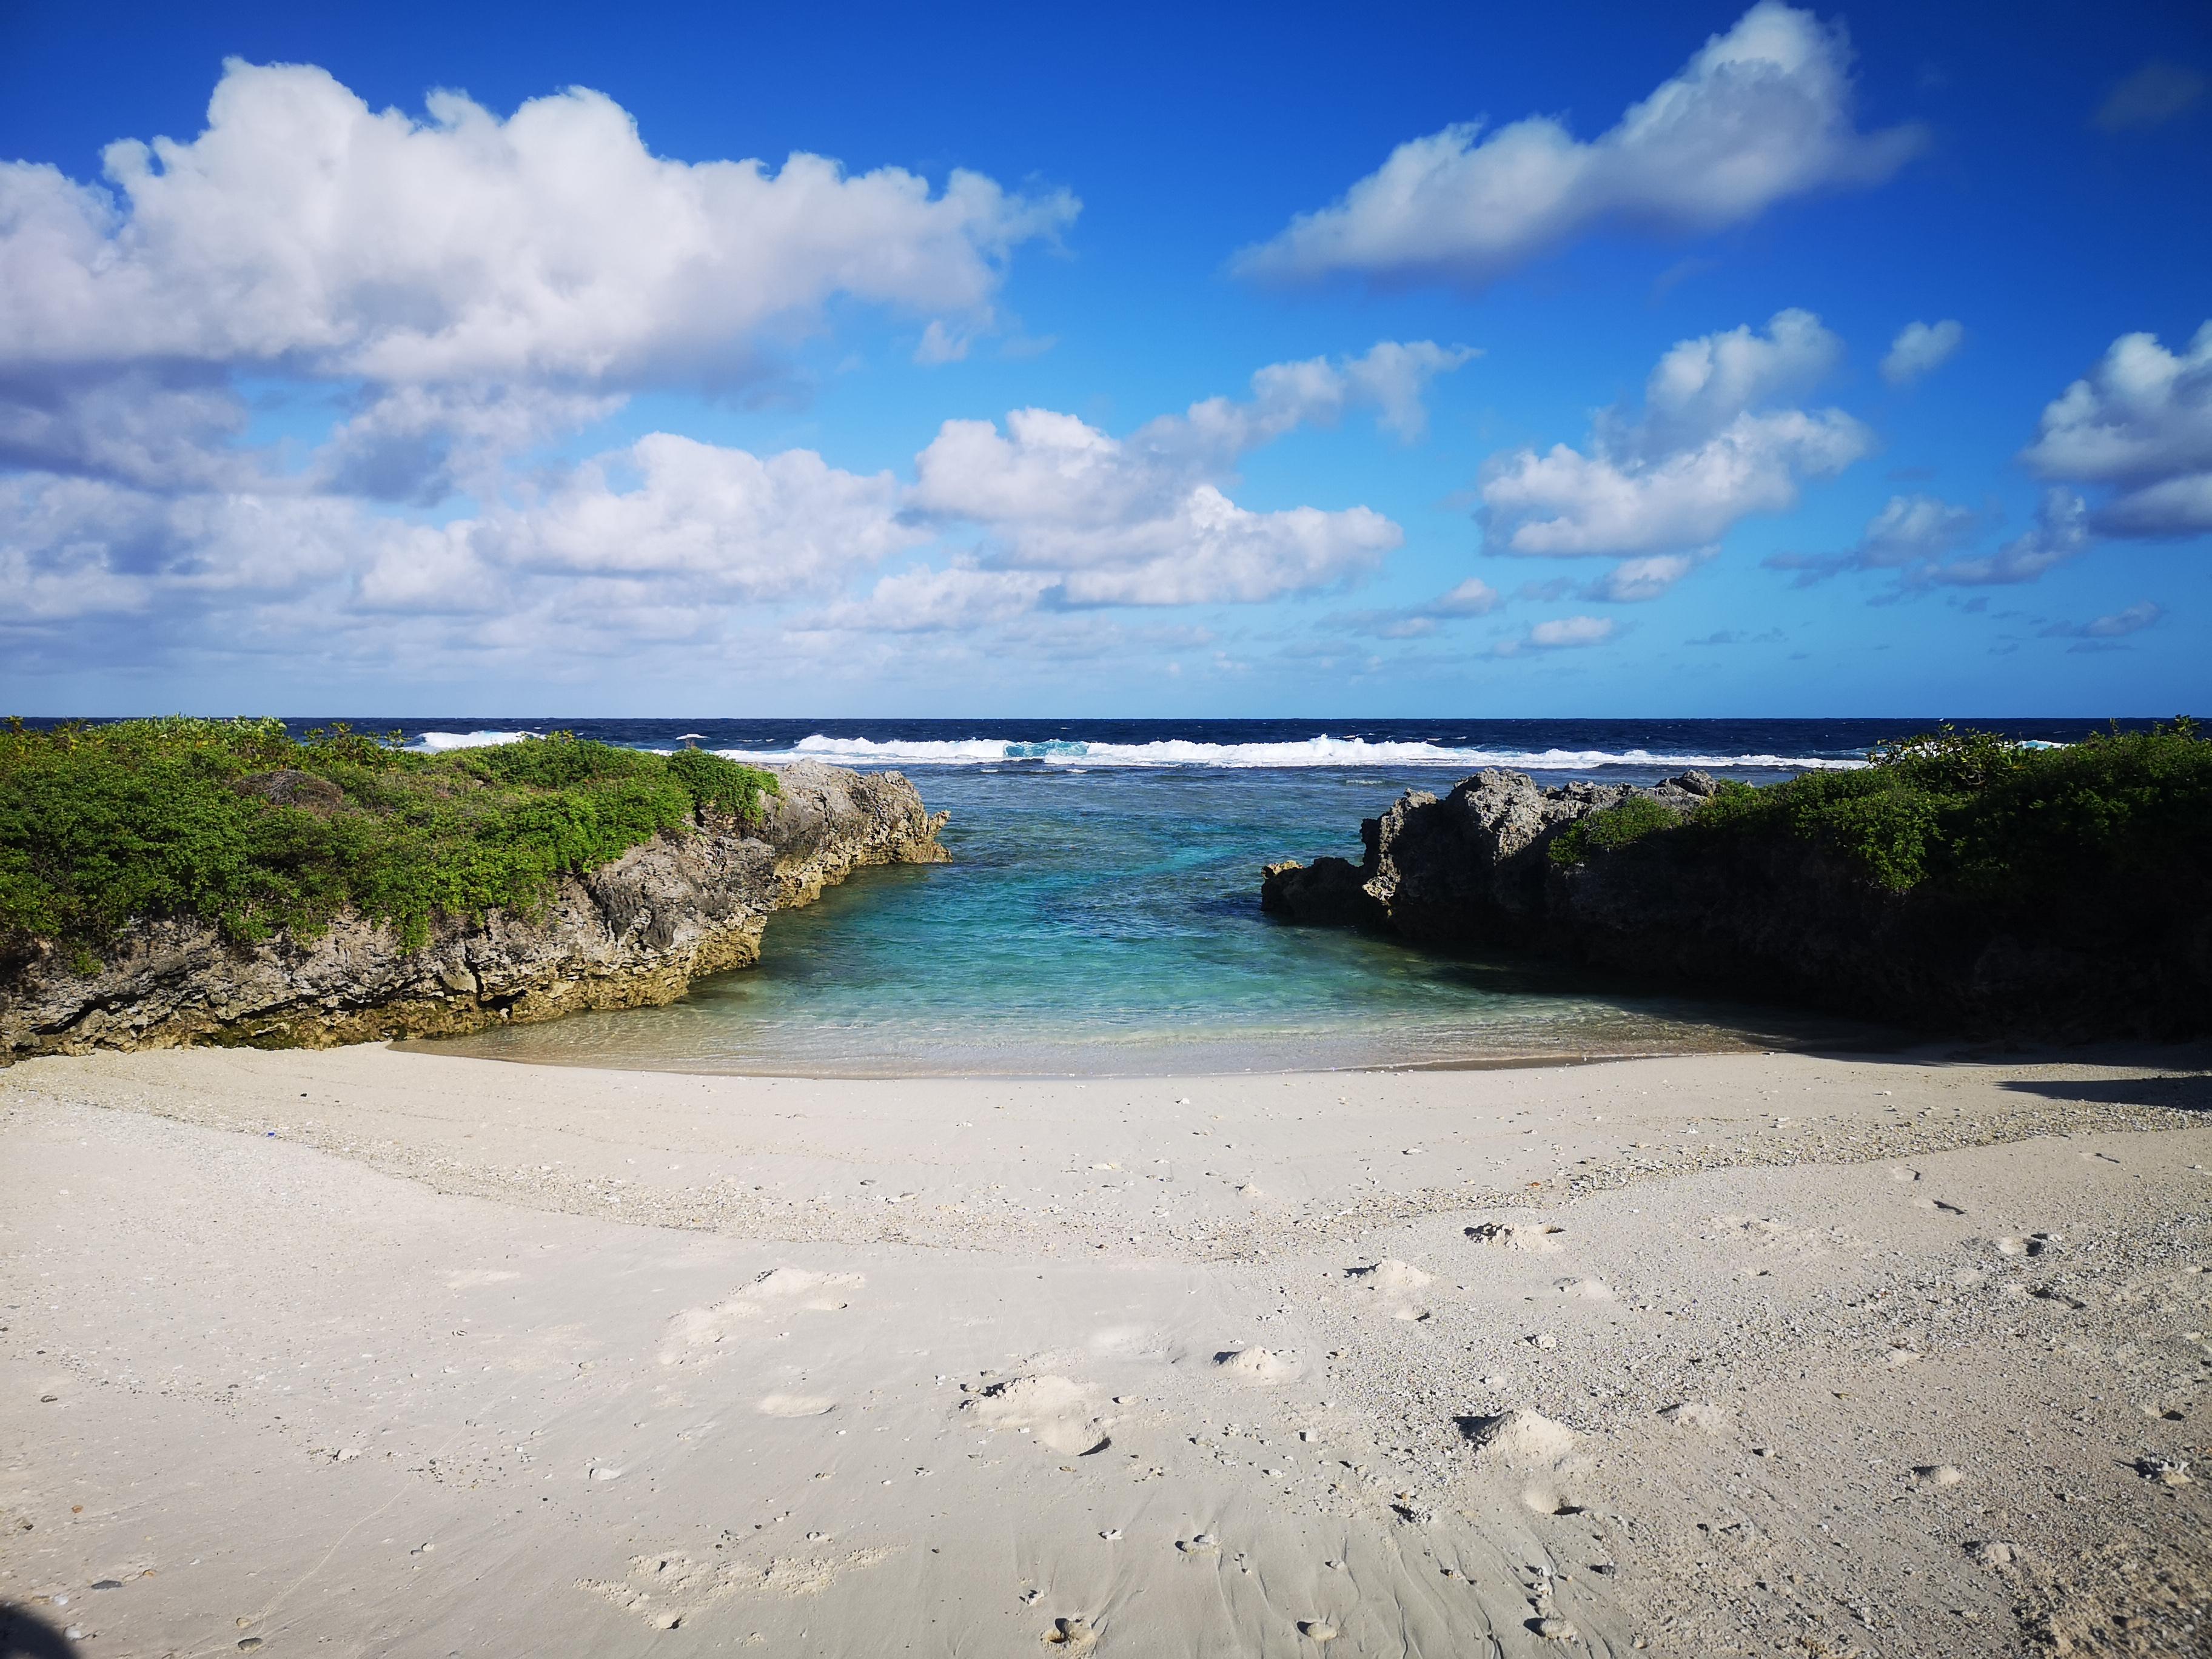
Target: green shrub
x=102, y=825
x=721, y=785
x=1614, y=826
x=1977, y=815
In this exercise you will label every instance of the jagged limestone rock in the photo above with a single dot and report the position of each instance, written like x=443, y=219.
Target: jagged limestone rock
x=630, y=934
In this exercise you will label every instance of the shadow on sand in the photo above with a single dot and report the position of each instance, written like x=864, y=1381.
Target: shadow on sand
x=24, y=1635
x=2181, y=1094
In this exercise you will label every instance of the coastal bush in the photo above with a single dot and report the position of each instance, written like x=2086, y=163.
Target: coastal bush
x=1974, y=815
x=1614, y=826
x=238, y=824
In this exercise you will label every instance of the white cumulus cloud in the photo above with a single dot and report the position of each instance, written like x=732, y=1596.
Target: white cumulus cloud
x=1761, y=113
x=741, y=525
x=303, y=228
x=1910, y=533
x=1559, y=633
x=1144, y=520
x=1704, y=457
x=1920, y=348
x=2141, y=422
x=2061, y=530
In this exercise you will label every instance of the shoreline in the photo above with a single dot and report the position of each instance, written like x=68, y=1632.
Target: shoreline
x=878, y=1365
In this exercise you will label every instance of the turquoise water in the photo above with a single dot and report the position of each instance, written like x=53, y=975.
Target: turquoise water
x=1106, y=920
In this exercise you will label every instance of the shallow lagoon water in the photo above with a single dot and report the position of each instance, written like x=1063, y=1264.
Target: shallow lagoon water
x=1104, y=920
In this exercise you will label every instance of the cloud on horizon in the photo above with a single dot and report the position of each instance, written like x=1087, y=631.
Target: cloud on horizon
x=662, y=536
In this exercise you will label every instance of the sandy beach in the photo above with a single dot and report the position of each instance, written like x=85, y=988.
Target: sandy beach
x=368, y=1352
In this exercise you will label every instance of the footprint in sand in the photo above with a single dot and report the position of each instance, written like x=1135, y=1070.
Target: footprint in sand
x=668, y=1588
x=1390, y=1277
x=1056, y=1412
x=696, y=1332
x=470, y=1278
x=1518, y=1438
x=795, y=1405
x=1257, y=1367
x=823, y=1292
x=1546, y=1500
x=1517, y=1235
x=1398, y=1283
x=1590, y=1290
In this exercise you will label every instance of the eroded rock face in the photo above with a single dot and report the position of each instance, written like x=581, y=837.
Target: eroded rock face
x=1768, y=917
x=1471, y=866
x=630, y=934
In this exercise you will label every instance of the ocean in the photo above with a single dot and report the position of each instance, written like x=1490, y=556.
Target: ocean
x=1101, y=912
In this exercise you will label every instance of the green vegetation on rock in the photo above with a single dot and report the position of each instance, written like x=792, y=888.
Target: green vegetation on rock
x=1970, y=813
x=237, y=824
x=1616, y=826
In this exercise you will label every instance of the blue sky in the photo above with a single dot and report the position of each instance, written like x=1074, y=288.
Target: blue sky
x=1543, y=360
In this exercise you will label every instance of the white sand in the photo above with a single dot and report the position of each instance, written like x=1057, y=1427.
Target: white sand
x=393, y=1353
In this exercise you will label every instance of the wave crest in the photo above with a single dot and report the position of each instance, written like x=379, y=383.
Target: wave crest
x=1316, y=751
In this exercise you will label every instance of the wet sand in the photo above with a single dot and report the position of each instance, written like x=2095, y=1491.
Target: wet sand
x=397, y=1353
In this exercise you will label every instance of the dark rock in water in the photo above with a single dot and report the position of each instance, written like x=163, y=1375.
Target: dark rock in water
x=631, y=933
x=1326, y=893
x=1771, y=917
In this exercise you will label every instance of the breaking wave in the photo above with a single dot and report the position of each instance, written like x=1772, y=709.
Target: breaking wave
x=1315, y=751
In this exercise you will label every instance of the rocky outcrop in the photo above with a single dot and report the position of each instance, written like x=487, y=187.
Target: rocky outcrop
x=1471, y=866
x=1767, y=916
x=631, y=933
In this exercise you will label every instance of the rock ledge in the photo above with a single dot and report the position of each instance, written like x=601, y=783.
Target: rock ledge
x=630, y=934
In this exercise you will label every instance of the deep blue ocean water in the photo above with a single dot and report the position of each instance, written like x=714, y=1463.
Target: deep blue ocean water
x=1101, y=914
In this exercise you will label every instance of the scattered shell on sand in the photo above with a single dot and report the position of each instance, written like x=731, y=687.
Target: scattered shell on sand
x=1317, y=1629
x=1203, y=1543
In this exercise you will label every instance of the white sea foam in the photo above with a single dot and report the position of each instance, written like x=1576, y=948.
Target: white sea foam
x=1311, y=753
x=437, y=742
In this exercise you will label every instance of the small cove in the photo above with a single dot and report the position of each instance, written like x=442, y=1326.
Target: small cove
x=1101, y=917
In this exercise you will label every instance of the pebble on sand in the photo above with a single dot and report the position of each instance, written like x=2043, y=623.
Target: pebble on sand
x=1317, y=1629
x=1555, y=1629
